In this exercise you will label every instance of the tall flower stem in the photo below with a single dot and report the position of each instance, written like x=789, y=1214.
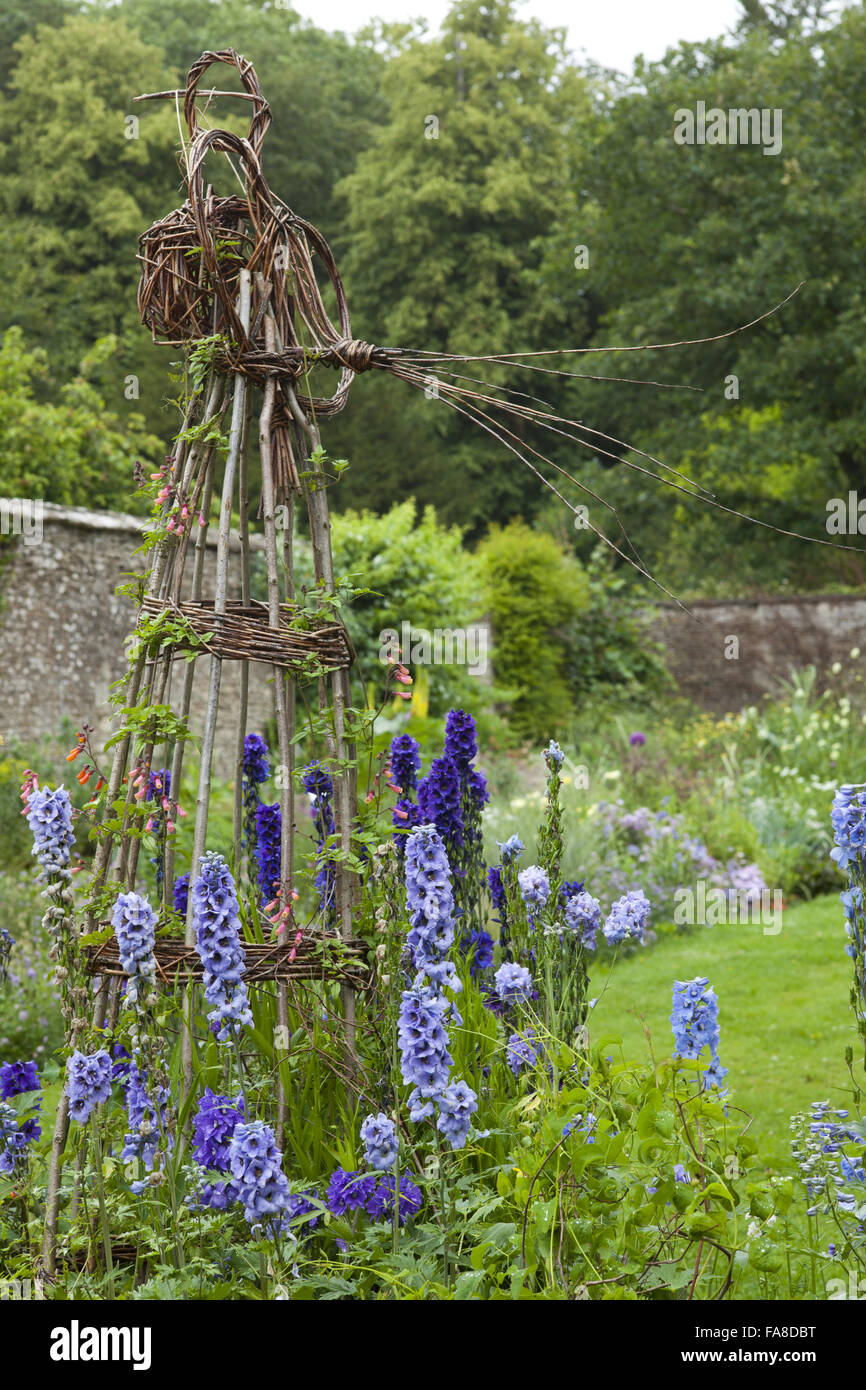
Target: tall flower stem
x=100, y=1197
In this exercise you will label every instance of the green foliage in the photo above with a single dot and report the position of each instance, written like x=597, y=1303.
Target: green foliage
x=442, y=235
x=533, y=594
x=610, y=650
x=417, y=572
x=71, y=450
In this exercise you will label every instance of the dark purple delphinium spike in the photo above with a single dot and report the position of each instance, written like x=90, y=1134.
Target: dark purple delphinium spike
x=320, y=787
x=180, y=893
x=405, y=762
x=439, y=798
x=268, y=849
x=256, y=769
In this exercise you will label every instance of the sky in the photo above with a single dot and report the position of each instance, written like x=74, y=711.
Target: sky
x=612, y=33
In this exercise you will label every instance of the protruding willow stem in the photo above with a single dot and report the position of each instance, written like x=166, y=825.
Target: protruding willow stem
x=236, y=436
x=284, y=745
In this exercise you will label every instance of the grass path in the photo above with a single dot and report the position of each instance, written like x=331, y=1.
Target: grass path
x=783, y=1010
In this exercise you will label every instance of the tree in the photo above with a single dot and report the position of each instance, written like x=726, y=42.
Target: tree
x=697, y=239
x=70, y=449
x=446, y=212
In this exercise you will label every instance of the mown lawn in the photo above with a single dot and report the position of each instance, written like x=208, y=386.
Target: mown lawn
x=783, y=1010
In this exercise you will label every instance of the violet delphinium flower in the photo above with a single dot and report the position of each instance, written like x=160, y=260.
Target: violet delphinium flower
x=457, y=1105
x=218, y=942
x=479, y=947
x=14, y=1138
x=381, y=1145
x=439, y=798
x=268, y=849
x=134, y=922
x=349, y=1191
x=216, y=1119
x=255, y=1163
x=405, y=763
x=628, y=917
x=461, y=741
x=521, y=1051
x=180, y=894
x=88, y=1083
x=423, y=1042
x=320, y=788
x=379, y=1204
x=256, y=769
x=17, y=1078
x=583, y=917
x=146, y=1115
x=534, y=886
x=49, y=815
x=430, y=902
x=513, y=982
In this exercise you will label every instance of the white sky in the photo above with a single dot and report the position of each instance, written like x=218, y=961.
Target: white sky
x=612, y=32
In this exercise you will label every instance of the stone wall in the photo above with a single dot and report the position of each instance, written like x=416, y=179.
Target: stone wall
x=731, y=653
x=63, y=629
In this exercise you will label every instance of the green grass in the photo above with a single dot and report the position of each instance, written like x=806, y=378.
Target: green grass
x=783, y=1010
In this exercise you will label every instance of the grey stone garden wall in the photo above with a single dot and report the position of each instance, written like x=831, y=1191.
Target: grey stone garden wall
x=732, y=653
x=62, y=630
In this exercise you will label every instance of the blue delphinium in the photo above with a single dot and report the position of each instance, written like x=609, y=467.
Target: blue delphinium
x=146, y=1116
x=513, y=982
x=180, y=894
x=553, y=755
x=628, y=917
x=17, y=1078
x=49, y=815
x=381, y=1144
x=269, y=823
x=511, y=849
x=14, y=1139
x=134, y=923
x=423, y=1042
x=255, y=1163
x=584, y=1125
x=218, y=942
x=695, y=1022
x=583, y=917
x=848, y=817
x=216, y=1119
x=405, y=763
x=457, y=1105
x=430, y=903
x=521, y=1051
x=534, y=886
x=88, y=1083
